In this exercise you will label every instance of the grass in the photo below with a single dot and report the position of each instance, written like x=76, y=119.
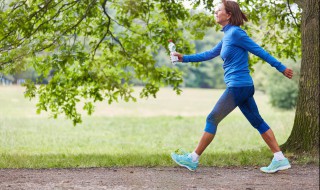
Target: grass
x=132, y=134
x=117, y=160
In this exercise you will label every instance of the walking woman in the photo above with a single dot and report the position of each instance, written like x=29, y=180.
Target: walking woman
x=233, y=49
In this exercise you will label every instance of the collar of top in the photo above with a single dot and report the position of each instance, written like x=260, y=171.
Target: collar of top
x=226, y=28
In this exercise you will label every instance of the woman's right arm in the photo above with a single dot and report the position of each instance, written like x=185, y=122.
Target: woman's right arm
x=198, y=57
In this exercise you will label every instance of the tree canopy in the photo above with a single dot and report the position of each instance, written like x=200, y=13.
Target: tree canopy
x=93, y=49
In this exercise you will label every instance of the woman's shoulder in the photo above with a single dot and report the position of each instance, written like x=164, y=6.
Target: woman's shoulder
x=238, y=32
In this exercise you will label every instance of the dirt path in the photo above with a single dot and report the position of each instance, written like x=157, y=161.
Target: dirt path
x=248, y=178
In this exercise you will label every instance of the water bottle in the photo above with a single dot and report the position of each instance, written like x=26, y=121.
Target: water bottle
x=172, y=49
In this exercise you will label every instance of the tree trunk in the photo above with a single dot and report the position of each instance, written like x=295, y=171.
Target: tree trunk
x=304, y=137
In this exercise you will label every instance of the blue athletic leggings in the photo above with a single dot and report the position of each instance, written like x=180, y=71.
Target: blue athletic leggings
x=230, y=99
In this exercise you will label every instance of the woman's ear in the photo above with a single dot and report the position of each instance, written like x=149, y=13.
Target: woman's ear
x=229, y=16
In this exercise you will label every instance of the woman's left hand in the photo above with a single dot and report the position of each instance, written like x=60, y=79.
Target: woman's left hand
x=288, y=73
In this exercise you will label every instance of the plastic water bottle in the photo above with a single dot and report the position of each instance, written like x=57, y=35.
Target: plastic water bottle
x=172, y=49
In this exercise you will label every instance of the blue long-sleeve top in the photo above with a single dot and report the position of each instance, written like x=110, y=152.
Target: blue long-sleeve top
x=233, y=49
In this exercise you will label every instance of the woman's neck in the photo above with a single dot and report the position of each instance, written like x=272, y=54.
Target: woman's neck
x=224, y=24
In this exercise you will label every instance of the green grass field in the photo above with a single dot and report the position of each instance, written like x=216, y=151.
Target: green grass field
x=132, y=134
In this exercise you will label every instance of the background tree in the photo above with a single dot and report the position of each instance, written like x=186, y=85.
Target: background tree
x=96, y=47
x=304, y=137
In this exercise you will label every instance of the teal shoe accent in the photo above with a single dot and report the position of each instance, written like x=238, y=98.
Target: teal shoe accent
x=184, y=160
x=276, y=166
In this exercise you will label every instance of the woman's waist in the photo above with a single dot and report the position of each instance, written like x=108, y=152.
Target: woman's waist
x=238, y=80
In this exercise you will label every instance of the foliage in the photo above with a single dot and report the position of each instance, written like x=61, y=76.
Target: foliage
x=96, y=47
x=208, y=74
x=284, y=94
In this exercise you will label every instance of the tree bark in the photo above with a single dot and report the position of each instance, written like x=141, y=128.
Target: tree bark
x=299, y=3
x=304, y=137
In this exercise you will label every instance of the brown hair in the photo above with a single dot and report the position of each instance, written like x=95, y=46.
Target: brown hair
x=237, y=16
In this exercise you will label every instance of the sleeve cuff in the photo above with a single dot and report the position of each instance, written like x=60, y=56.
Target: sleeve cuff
x=282, y=68
x=185, y=58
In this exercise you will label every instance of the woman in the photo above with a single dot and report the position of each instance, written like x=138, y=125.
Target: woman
x=233, y=49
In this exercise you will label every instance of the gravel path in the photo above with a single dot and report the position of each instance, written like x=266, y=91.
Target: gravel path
x=248, y=178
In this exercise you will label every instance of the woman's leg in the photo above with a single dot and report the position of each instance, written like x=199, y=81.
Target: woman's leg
x=223, y=107
x=250, y=110
x=271, y=141
x=204, y=142
x=279, y=162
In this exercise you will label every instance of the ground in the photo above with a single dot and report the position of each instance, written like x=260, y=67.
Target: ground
x=248, y=178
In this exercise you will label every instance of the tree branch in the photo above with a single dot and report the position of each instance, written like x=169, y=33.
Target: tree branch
x=54, y=41
x=97, y=46
x=125, y=26
x=294, y=18
x=42, y=8
x=57, y=13
x=30, y=17
x=108, y=26
x=81, y=19
x=14, y=8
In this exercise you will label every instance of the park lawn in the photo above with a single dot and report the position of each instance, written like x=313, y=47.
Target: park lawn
x=133, y=134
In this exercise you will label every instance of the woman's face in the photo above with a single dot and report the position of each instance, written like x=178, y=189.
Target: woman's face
x=222, y=17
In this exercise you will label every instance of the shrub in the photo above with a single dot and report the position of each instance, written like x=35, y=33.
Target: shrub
x=282, y=91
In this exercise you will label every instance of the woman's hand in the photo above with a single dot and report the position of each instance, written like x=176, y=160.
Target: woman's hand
x=288, y=73
x=179, y=56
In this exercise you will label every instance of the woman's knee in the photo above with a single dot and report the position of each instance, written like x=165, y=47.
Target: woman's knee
x=211, y=124
x=212, y=118
x=262, y=127
x=210, y=128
